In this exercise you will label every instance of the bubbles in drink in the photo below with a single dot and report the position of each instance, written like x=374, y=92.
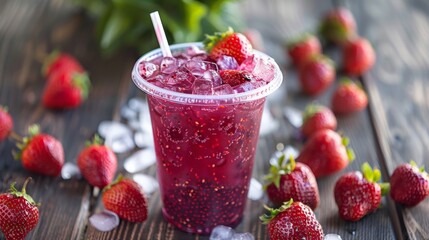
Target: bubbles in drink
x=168, y=65
x=227, y=62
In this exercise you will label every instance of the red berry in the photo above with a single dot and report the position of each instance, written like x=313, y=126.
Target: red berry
x=235, y=77
x=18, y=213
x=65, y=90
x=228, y=43
x=349, y=98
x=358, y=56
x=356, y=195
x=97, y=163
x=338, y=25
x=293, y=220
x=326, y=153
x=303, y=48
x=317, y=117
x=409, y=184
x=317, y=74
x=57, y=61
x=41, y=153
x=292, y=180
x=6, y=124
x=126, y=198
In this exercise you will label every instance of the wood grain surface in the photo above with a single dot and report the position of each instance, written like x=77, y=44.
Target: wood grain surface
x=393, y=130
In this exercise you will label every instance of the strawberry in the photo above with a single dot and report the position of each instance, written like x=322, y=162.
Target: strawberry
x=235, y=77
x=18, y=213
x=409, y=184
x=358, y=56
x=357, y=195
x=6, y=123
x=58, y=61
x=65, y=90
x=348, y=98
x=302, y=48
x=97, y=163
x=292, y=180
x=317, y=74
x=326, y=153
x=127, y=199
x=317, y=117
x=41, y=153
x=338, y=25
x=293, y=220
x=228, y=43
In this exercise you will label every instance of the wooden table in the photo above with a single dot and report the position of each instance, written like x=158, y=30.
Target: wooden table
x=392, y=130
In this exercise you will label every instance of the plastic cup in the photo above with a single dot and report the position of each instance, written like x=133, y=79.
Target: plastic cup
x=205, y=148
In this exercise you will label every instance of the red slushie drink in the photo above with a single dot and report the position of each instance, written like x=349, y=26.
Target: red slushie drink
x=205, y=116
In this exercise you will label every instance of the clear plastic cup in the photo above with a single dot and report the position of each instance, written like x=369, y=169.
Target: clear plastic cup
x=205, y=147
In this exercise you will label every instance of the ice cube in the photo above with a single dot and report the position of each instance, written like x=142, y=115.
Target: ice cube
x=294, y=116
x=144, y=118
x=268, y=122
x=262, y=68
x=112, y=129
x=179, y=77
x=243, y=236
x=128, y=113
x=248, y=86
x=202, y=87
x=255, y=190
x=222, y=233
x=147, y=69
x=226, y=62
x=332, y=237
x=70, y=170
x=168, y=65
x=213, y=76
x=143, y=139
x=104, y=221
x=140, y=160
x=200, y=57
x=197, y=68
x=136, y=104
x=223, y=89
x=148, y=183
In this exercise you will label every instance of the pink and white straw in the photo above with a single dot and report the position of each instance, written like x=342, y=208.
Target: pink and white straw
x=160, y=34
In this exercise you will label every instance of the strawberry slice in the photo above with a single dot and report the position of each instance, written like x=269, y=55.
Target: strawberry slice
x=228, y=43
x=235, y=77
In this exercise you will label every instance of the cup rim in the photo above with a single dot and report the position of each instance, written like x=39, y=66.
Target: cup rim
x=195, y=99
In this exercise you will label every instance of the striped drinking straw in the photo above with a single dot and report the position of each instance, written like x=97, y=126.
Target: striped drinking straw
x=160, y=34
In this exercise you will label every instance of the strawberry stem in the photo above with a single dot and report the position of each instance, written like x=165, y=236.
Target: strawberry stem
x=116, y=181
x=96, y=140
x=212, y=40
x=23, y=192
x=385, y=188
x=81, y=81
x=350, y=152
x=281, y=168
x=49, y=60
x=272, y=212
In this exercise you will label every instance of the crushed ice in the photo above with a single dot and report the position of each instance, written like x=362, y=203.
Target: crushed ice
x=104, y=221
x=226, y=233
x=294, y=116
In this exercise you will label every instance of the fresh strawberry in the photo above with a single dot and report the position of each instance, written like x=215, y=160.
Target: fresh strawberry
x=357, y=195
x=348, y=98
x=326, y=153
x=97, y=163
x=235, y=77
x=409, y=184
x=41, y=153
x=338, y=25
x=292, y=180
x=317, y=117
x=18, y=213
x=127, y=199
x=58, y=61
x=6, y=123
x=358, y=56
x=317, y=74
x=228, y=43
x=65, y=90
x=301, y=49
x=293, y=220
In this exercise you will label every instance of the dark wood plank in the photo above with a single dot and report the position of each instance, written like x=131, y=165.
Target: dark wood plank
x=397, y=86
x=29, y=30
